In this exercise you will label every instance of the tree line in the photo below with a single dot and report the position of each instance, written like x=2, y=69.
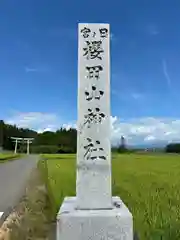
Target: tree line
x=61, y=141
x=173, y=148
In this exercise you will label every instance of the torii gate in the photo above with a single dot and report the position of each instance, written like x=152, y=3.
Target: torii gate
x=17, y=139
x=29, y=140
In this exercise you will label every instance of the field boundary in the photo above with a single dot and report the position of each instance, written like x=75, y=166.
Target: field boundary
x=42, y=166
x=9, y=157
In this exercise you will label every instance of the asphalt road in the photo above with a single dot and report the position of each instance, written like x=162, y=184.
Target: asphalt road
x=13, y=179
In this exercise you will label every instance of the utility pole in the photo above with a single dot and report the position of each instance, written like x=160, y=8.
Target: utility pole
x=29, y=140
x=16, y=140
x=123, y=144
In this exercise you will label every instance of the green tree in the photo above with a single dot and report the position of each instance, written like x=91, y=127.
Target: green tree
x=173, y=148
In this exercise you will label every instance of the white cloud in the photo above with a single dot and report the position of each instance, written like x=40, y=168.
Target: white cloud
x=149, y=138
x=165, y=71
x=35, y=120
x=152, y=29
x=136, y=131
x=69, y=125
x=146, y=130
x=127, y=95
x=112, y=37
x=136, y=95
x=37, y=69
x=44, y=130
x=28, y=69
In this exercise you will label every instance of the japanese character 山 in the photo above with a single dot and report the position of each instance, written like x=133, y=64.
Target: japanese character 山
x=94, y=94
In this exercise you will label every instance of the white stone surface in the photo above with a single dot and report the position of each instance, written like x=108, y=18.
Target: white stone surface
x=114, y=224
x=93, y=214
x=93, y=182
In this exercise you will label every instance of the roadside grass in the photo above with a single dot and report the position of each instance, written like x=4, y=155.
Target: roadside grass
x=31, y=219
x=148, y=184
x=8, y=156
x=58, y=156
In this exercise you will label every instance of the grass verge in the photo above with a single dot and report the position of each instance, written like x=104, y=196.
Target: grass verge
x=31, y=219
x=4, y=157
x=148, y=184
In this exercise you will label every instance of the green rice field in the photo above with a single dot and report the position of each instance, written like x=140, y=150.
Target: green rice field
x=149, y=184
x=8, y=156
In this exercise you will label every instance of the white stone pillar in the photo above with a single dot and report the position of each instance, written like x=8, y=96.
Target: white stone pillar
x=93, y=184
x=94, y=214
x=27, y=146
x=15, y=150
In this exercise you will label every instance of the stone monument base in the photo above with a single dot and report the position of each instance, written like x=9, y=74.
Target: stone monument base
x=112, y=224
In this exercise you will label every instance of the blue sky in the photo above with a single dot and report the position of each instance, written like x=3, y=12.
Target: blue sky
x=38, y=64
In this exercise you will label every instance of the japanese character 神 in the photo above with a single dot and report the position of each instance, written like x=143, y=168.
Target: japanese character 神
x=94, y=150
x=93, y=72
x=93, y=50
x=94, y=94
x=93, y=117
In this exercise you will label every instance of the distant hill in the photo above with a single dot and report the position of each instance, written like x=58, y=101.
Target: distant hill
x=157, y=144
